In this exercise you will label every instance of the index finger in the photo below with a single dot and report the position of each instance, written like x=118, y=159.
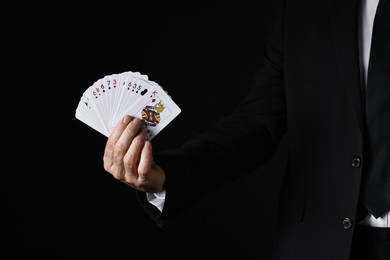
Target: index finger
x=119, y=128
x=116, y=134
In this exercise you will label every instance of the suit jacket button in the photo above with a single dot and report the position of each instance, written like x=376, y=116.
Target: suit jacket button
x=347, y=223
x=356, y=162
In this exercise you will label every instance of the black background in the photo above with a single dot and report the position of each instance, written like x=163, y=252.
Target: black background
x=59, y=202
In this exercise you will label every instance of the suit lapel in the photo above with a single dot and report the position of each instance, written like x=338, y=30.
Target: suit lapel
x=344, y=16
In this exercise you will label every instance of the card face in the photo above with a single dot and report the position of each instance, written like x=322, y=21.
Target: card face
x=157, y=110
x=127, y=93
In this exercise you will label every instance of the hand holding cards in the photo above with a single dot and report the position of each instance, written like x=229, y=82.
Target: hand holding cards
x=127, y=93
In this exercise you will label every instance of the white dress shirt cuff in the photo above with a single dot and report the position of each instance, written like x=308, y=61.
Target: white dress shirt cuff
x=157, y=199
x=382, y=222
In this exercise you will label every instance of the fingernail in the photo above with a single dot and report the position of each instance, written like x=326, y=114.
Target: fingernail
x=126, y=119
x=137, y=121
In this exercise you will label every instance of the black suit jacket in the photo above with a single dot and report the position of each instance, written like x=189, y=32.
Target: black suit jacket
x=310, y=89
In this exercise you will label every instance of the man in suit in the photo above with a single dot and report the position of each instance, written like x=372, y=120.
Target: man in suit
x=312, y=87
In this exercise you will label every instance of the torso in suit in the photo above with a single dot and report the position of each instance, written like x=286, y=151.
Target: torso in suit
x=310, y=89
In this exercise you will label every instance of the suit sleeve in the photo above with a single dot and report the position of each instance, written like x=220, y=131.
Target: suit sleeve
x=238, y=144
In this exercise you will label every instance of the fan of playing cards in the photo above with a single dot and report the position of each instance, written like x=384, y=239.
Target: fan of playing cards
x=127, y=93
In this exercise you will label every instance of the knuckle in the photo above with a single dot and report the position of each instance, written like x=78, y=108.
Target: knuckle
x=106, y=167
x=129, y=180
x=142, y=170
x=117, y=175
x=143, y=180
x=129, y=164
x=119, y=151
x=110, y=144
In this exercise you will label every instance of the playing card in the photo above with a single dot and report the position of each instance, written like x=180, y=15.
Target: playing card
x=156, y=109
x=132, y=93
